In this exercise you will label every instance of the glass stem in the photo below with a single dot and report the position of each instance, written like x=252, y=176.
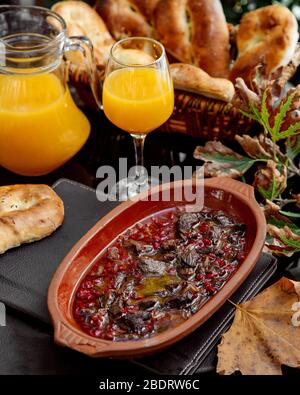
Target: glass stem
x=139, y=140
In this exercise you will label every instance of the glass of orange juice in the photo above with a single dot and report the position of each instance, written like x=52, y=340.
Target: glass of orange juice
x=138, y=97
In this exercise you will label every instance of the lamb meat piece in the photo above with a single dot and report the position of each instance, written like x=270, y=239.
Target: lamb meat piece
x=237, y=230
x=148, y=304
x=152, y=266
x=222, y=219
x=173, y=288
x=113, y=254
x=169, y=257
x=204, y=264
x=120, y=277
x=188, y=256
x=169, y=245
x=186, y=222
x=186, y=273
x=115, y=309
x=107, y=300
x=180, y=301
x=214, y=235
x=138, y=247
x=127, y=288
x=134, y=322
x=205, y=215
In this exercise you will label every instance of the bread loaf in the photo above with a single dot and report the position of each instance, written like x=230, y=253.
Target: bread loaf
x=83, y=20
x=28, y=213
x=126, y=18
x=195, y=32
x=193, y=79
x=269, y=35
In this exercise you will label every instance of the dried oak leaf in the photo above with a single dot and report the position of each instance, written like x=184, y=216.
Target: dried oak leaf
x=278, y=77
x=272, y=211
x=297, y=198
x=222, y=161
x=293, y=147
x=283, y=240
x=284, y=73
x=252, y=147
x=243, y=95
x=269, y=103
x=271, y=180
x=265, y=333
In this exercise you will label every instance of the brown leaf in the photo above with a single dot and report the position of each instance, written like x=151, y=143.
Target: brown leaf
x=271, y=209
x=271, y=180
x=264, y=334
x=269, y=103
x=297, y=197
x=271, y=147
x=284, y=73
x=243, y=95
x=278, y=78
x=253, y=147
x=282, y=233
x=283, y=240
x=221, y=160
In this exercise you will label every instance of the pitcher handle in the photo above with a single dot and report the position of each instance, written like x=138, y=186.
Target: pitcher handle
x=84, y=45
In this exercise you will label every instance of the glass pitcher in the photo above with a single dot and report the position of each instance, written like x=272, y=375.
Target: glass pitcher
x=40, y=126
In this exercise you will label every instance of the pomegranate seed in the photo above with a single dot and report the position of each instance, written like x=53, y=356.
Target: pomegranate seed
x=203, y=227
x=85, y=294
x=210, y=275
x=220, y=262
x=207, y=242
x=88, y=284
x=96, y=320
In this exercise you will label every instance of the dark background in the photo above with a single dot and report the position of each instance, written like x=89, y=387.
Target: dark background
x=233, y=8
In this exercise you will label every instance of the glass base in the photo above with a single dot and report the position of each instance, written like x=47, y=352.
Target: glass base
x=129, y=188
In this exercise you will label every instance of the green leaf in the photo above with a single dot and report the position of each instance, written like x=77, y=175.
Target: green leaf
x=279, y=118
x=291, y=131
x=269, y=193
x=248, y=115
x=265, y=114
x=229, y=163
x=293, y=147
x=283, y=240
x=271, y=180
x=256, y=113
x=281, y=224
x=290, y=214
x=222, y=161
x=295, y=244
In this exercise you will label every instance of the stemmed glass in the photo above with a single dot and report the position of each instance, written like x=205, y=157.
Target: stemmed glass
x=138, y=97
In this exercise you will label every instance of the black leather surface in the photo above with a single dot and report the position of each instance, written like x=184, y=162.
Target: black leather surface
x=25, y=274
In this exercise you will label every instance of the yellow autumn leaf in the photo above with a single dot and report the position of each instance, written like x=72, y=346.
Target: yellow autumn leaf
x=264, y=334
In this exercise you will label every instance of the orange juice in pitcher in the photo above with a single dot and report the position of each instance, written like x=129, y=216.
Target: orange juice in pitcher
x=40, y=126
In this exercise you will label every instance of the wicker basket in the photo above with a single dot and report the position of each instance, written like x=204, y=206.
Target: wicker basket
x=199, y=116
x=193, y=114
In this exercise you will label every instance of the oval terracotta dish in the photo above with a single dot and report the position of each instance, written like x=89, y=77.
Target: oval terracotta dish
x=231, y=196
